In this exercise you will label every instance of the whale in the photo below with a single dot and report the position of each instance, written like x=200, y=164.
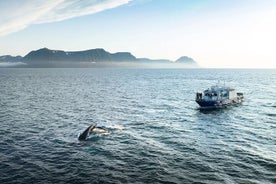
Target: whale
x=83, y=136
x=90, y=130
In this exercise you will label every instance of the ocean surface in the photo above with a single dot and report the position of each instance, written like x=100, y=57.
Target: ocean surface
x=157, y=134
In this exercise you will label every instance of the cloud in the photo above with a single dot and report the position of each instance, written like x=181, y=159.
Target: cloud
x=17, y=15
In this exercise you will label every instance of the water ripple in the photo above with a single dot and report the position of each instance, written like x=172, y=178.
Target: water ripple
x=157, y=135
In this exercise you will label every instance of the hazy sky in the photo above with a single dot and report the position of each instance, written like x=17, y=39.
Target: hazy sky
x=216, y=33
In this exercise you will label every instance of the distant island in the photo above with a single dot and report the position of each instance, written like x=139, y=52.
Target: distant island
x=45, y=57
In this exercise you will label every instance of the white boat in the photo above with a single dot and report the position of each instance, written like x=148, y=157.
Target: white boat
x=218, y=97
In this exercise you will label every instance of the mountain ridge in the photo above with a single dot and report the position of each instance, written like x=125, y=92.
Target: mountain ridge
x=47, y=57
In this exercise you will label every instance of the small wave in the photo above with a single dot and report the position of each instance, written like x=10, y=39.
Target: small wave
x=271, y=115
x=269, y=105
x=116, y=127
x=97, y=131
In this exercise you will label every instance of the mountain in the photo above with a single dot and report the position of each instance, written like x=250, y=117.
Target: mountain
x=123, y=56
x=185, y=59
x=11, y=61
x=9, y=58
x=98, y=57
x=45, y=55
x=93, y=55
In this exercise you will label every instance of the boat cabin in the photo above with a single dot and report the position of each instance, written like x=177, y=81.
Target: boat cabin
x=217, y=93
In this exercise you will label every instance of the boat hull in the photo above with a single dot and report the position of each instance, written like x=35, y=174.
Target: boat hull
x=206, y=104
x=218, y=104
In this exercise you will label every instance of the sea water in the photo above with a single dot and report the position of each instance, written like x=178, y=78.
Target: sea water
x=156, y=133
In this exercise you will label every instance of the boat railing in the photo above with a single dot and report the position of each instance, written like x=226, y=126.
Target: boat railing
x=240, y=94
x=199, y=96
